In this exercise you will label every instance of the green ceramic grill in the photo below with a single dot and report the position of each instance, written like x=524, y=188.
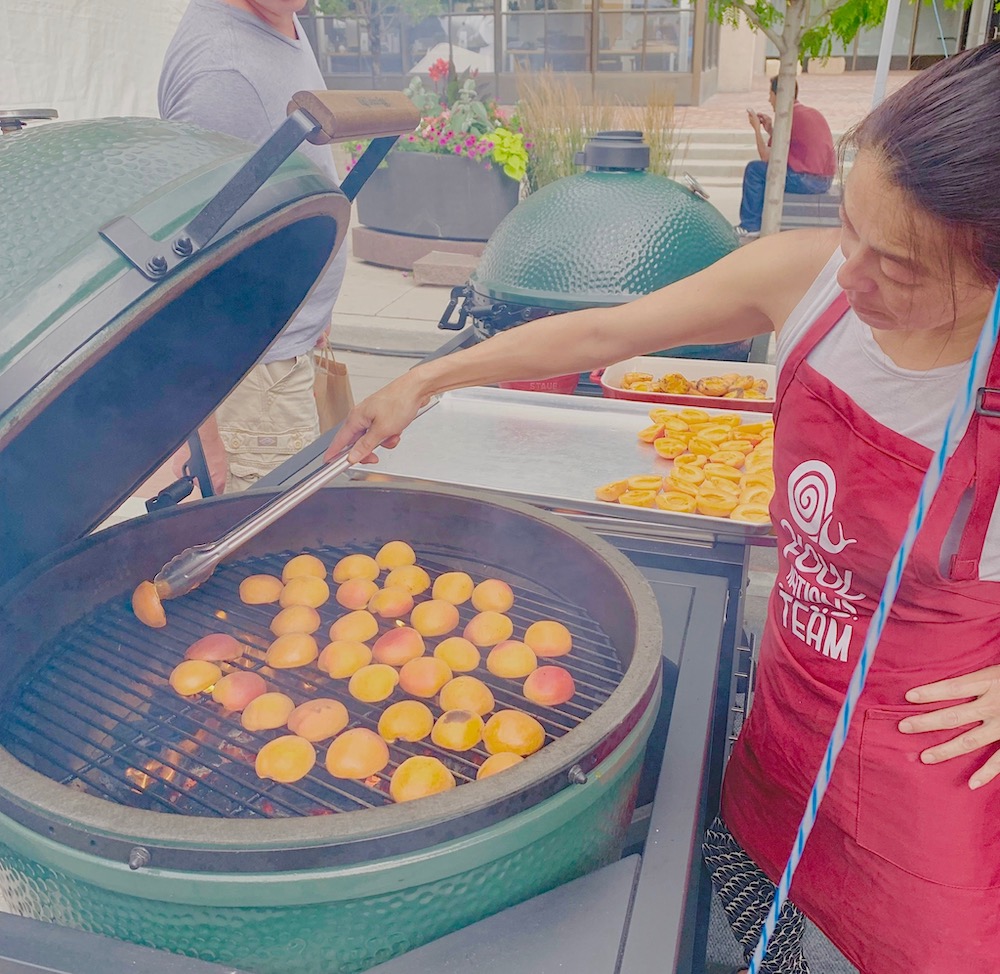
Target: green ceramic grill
x=129, y=811
x=603, y=237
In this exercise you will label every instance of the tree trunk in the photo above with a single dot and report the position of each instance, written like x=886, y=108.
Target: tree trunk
x=777, y=166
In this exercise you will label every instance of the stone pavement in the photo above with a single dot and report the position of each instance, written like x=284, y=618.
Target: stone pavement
x=844, y=99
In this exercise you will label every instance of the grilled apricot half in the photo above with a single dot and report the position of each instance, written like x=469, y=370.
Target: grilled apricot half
x=147, y=606
x=418, y=777
x=286, y=759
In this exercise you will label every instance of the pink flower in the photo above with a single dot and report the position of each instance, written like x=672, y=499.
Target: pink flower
x=438, y=71
x=458, y=150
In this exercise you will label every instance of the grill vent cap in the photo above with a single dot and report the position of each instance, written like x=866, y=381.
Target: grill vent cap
x=620, y=150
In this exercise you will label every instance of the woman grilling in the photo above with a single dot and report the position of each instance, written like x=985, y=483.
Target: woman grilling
x=875, y=325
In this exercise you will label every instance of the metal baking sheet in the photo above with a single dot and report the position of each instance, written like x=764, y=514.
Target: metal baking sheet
x=548, y=449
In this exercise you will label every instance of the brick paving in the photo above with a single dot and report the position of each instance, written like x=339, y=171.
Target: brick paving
x=843, y=98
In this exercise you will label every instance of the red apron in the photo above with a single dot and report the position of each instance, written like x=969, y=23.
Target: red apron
x=902, y=870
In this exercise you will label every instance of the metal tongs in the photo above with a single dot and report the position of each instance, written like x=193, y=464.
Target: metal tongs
x=194, y=565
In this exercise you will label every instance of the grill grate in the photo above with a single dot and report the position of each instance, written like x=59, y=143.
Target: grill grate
x=97, y=713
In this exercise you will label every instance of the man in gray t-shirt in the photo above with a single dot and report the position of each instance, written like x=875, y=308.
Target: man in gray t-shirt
x=232, y=67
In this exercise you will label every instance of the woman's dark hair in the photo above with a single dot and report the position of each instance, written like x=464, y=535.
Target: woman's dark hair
x=774, y=87
x=939, y=138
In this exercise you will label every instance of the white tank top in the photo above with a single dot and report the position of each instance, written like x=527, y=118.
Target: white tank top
x=913, y=403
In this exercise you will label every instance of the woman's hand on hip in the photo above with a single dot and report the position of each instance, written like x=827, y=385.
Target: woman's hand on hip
x=980, y=693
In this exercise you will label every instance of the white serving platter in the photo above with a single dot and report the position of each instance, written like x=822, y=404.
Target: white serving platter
x=692, y=369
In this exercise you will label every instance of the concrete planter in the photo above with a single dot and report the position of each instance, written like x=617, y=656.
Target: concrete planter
x=422, y=194
x=827, y=65
x=772, y=65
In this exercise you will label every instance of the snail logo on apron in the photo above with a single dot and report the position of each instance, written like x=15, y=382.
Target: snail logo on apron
x=818, y=605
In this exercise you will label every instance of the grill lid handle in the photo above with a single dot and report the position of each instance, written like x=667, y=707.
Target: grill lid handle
x=343, y=115
x=381, y=116
x=321, y=117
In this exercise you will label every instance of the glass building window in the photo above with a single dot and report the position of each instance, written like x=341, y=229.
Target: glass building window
x=633, y=35
x=645, y=35
x=542, y=34
x=924, y=34
x=711, y=58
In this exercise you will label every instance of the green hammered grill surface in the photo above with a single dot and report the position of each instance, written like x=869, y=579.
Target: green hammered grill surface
x=618, y=234
x=342, y=935
x=61, y=181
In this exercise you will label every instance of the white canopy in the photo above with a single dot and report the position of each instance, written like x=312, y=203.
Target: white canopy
x=885, y=51
x=85, y=58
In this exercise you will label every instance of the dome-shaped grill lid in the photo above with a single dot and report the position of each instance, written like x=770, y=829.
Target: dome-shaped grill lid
x=119, y=334
x=103, y=372
x=600, y=238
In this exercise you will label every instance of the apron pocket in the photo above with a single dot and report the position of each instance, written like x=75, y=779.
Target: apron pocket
x=924, y=818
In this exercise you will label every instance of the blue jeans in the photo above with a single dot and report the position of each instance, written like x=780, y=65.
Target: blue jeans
x=754, y=177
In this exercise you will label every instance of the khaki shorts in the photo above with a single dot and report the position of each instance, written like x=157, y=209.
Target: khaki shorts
x=269, y=417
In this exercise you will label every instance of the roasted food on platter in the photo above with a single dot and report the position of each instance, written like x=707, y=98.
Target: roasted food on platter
x=731, y=385
x=720, y=467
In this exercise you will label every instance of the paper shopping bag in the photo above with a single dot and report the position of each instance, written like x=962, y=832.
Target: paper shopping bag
x=334, y=398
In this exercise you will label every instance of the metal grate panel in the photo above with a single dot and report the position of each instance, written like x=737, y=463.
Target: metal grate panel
x=97, y=713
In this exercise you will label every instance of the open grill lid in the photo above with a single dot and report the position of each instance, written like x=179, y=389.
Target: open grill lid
x=108, y=361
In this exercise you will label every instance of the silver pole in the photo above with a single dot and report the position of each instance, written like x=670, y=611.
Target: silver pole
x=885, y=51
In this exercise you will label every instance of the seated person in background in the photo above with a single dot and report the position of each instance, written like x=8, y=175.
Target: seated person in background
x=812, y=161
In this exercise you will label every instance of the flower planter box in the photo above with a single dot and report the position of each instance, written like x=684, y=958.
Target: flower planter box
x=827, y=65
x=422, y=194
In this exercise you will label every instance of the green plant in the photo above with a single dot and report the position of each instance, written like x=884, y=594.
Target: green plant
x=550, y=107
x=456, y=121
